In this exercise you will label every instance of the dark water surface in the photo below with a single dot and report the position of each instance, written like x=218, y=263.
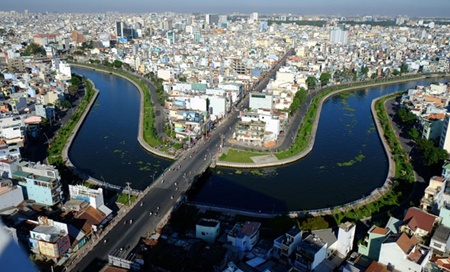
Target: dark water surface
x=347, y=161
x=106, y=146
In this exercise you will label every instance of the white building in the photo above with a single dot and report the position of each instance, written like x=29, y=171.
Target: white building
x=244, y=237
x=310, y=253
x=10, y=195
x=12, y=129
x=7, y=167
x=338, y=35
x=260, y=101
x=402, y=253
x=286, y=244
x=346, y=235
x=50, y=238
x=64, y=71
x=197, y=104
x=92, y=196
x=444, y=141
x=233, y=90
x=207, y=230
x=217, y=107
x=440, y=242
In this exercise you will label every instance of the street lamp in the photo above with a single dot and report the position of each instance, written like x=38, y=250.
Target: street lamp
x=129, y=192
x=48, y=141
x=153, y=176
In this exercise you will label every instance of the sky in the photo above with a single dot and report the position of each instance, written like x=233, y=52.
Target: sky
x=419, y=8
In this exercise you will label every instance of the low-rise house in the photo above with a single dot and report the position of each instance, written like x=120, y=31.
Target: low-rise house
x=418, y=222
x=346, y=235
x=444, y=213
x=10, y=195
x=403, y=253
x=393, y=224
x=427, y=203
x=12, y=129
x=286, y=244
x=39, y=182
x=310, y=253
x=244, y=237
x=372, y=244
x=440, y=242
x=207, y=230
x=50, y=238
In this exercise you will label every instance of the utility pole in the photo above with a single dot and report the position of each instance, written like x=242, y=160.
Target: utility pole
x=129, y=191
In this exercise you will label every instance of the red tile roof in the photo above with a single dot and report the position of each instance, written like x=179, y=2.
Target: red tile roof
x=406, y=243
x=416, y=218
x=376, y=267
x=379, y=230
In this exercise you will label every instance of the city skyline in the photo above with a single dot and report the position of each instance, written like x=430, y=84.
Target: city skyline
x=419, y=8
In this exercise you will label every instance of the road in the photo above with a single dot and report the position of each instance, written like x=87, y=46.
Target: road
x=162, y=195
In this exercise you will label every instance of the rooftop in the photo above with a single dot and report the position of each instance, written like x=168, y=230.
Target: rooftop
x=208, y=222
x=416, y=218
x=379, y=230
x=311, y=244
x=441, y=234
x=22, y=174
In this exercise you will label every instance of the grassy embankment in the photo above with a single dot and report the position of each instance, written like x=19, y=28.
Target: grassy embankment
x=304, y=134
x=57, y=145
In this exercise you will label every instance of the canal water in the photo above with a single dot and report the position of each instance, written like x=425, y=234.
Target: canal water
x=346, y=163
x=106, y=145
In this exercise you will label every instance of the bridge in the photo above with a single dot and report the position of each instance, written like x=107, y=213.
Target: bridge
x=154, y=205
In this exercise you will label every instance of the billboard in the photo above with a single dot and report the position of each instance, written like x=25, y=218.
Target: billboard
x=192, y=116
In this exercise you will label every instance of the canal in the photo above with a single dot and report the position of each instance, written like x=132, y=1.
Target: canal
x=346, y=163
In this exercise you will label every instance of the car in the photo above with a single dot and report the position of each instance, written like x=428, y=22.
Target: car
x=150, y=213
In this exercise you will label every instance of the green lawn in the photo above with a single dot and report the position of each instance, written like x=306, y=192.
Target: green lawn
x=123, y=198
x=242, y=156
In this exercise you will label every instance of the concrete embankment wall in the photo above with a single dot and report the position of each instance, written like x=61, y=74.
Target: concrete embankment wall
x=140, y=138
x=373, y=196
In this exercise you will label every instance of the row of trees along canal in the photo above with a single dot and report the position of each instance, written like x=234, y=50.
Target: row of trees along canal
x=392, y=203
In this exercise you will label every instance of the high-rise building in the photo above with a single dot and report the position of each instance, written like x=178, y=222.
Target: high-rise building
x=338, y=35
x=197, y=36
x=223, y=19
x=167, y=24
x=254, y=16
x=119, y=29
x=170, y=37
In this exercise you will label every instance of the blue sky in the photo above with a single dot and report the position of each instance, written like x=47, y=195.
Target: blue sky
x=425, y=8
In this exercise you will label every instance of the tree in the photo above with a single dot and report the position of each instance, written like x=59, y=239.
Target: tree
x=311, y=82
x=337, y=76
x=73, y=90
x=373, y=76
x=396, y=72
x=33, y=49
x=431, y=155
x=75, y=80
x=414, y=134
x=314, y=223
x=117, y=64
x=325, y=78
x=299, y=98
x=364, y=70
x=65, y=104
x=404, y=68
x=406, y=116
